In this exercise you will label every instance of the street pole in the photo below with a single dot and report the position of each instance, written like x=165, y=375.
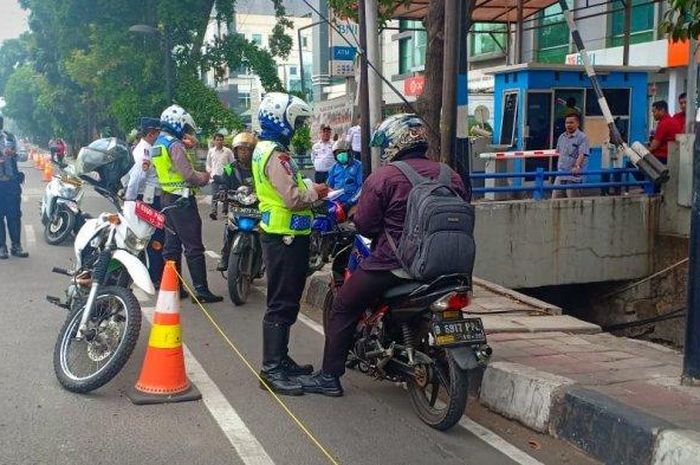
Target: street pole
x=374, y=82
x=448, y=118
x=692, y=87
x=364, y=93
x=168, y=65
x=461, y=159
x=519, y=57
x=628, y=26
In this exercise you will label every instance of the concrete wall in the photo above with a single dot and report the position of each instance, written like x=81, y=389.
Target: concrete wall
x=674, y=218
x=522, y=244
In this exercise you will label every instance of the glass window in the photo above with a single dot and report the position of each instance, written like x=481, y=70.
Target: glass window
x=257, y=39
x=412, y=49
x=482, y=43
x=642, y=23
x=405, y=55
x=304, y=42
x=552, y=36
x=293, y=70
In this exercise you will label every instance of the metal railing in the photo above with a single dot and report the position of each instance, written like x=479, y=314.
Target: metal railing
x=628, y=178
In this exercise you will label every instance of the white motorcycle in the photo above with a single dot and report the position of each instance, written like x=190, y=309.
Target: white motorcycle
x=60, y=208
x=103, y=325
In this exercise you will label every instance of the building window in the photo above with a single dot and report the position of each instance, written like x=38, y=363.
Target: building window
x=304, y=42
x=257, y=39
x=292, y=70
x=483, y=43
x=642, y=24
x=552, y=36
x=412, y=49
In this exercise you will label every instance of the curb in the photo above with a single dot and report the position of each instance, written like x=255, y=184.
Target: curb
x=604, y=428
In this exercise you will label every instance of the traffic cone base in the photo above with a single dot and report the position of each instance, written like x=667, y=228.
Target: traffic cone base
x=163, y=377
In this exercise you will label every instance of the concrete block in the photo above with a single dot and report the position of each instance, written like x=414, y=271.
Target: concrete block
x=501, y=324
x=521, y=393
x=606, y=429
x=564, y=323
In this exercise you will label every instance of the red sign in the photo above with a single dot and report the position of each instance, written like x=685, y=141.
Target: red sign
x=150, y=215
x=413, y=86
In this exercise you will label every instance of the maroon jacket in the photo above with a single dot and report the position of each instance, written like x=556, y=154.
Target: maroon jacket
x=382, y=208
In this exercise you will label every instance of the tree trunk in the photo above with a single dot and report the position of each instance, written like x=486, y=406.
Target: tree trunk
x=429, y=103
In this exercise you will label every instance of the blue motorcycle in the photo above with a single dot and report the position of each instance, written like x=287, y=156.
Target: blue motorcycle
x=330, y=230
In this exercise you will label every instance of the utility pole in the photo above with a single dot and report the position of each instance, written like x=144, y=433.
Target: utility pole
x=168, y=45
x=320, y=50
x=374, y=82
x=448, y=118
x=692, y=87
x=364, y=93
x=461, y=158
x=628, y=26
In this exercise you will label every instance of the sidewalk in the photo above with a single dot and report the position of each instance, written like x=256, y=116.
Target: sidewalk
x=617, y=399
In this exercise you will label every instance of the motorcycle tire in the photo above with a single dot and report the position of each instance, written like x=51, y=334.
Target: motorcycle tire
x=452, y=408
x=316, y=258
x=59, y=227
x=118, y=355
x=239, y=280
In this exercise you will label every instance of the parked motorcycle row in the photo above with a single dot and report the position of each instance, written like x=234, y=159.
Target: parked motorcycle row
x=420, y=333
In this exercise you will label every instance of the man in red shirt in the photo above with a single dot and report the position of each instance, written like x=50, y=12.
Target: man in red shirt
x=680, y=116
x=666, y=130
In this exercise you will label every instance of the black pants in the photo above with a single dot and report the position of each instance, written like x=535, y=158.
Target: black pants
x=320, y=176
x=187, y=224
x=356, y=295
x=10, y=212
x=216, y=188
x=286, y=267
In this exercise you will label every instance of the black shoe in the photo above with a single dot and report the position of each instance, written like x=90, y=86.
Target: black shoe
x=294, y=369
x=275, y=339
x=3, y=253
x=183, y=293
x=222, y=264
x=321, y=383
x=280, y=383
x=213, y=216
x=17, y=251
x=205, y=296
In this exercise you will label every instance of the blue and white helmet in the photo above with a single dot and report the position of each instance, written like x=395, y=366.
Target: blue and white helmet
x=399, y=133
x=280, y=115
x=177, y=121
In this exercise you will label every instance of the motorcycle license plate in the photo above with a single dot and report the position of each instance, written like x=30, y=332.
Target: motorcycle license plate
x=247, y=212
x=150, y=215
x=458, y=332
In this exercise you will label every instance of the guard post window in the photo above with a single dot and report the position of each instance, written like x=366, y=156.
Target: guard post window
x=553, y=35
x=412, y=47
x=642, y=29
x=483, y=43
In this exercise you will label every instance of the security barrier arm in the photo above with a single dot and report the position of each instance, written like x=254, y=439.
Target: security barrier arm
x=637, y=153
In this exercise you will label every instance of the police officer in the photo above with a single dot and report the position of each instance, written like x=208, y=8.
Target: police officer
x=236, y=174
x=10, y=195
x=286, y=223
x=179, y=180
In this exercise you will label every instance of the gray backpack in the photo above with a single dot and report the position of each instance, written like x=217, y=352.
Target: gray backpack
x=438, y=234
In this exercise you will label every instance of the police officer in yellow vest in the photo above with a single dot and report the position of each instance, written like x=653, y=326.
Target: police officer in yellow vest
x=178, y=179
x=285, y=202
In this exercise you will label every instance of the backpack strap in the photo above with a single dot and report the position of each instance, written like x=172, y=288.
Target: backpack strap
x=413, y=177
x=445, y=175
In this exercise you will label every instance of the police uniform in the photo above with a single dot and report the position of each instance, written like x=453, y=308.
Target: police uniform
x=10, y=196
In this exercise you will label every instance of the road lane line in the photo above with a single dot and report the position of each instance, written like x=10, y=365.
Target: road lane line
x=247, y=447
x=30, y=234
x=212, y=254
x=481, y=432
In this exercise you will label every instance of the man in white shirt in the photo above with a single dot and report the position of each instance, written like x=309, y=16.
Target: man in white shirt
x=217, y=158
x=353, y=137
x=322, y=155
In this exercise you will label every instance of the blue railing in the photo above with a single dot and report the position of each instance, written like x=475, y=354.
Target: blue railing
x=626, y=176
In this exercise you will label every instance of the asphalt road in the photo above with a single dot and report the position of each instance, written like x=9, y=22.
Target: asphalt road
x=237, y=422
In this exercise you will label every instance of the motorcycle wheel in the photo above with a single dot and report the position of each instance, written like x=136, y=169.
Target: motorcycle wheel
x=239, y=277
x=439, y=392
x=315, y=252
x=84, y=365
x=59, y=227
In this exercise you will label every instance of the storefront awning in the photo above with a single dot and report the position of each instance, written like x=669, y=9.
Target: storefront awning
x=488, y=11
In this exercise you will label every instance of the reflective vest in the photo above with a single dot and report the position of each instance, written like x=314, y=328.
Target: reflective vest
x=276, y=217
x=170, y=179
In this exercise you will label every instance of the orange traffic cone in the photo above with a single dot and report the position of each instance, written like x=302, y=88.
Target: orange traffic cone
x=40, y=162
x=48, y=173
x=163, y=378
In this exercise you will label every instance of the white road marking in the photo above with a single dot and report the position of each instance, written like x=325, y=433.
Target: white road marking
x=247, y=447
x=30, y=234
x=212, y=254
x=481, y=432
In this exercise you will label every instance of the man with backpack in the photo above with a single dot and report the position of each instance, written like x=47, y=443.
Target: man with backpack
x=383, y=213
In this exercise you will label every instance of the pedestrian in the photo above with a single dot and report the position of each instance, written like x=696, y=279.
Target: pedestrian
x=218, y=157
x=60, y=151
x=354, y=137
x=322, y=155
x=380, y=216
x=346, y=173
x=237, y=174
x=574, y=150
x=53, y=148
x=143, y=185
x=179, y=182
x=680, y=116
x=285, y=202
x=666, y=130
x=11, y=180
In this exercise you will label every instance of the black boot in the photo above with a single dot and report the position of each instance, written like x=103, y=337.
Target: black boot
x=206, y=296
x=198, y=272
x=275, y=337
x=17, y=251
x=3, y=253
x=290, y=366
x=321, y=383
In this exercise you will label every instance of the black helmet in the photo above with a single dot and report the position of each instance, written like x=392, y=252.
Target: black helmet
x=109, y=157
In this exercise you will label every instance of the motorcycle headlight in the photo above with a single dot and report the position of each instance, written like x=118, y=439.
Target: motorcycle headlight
x=135, y=243
x=67, y=192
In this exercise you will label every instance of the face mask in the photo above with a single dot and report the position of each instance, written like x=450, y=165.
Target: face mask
x=343, y=158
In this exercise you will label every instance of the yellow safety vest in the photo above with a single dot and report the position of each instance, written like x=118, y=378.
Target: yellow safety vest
x=170, y=179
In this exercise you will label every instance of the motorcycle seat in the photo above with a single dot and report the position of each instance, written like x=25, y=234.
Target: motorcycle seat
x=402, y=290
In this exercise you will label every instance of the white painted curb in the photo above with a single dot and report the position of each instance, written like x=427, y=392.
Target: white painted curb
x=677, y=447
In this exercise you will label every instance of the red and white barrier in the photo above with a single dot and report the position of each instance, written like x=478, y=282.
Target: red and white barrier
x=520, y=154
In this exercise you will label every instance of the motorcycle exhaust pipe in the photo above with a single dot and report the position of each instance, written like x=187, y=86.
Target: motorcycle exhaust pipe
x=62, y=271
